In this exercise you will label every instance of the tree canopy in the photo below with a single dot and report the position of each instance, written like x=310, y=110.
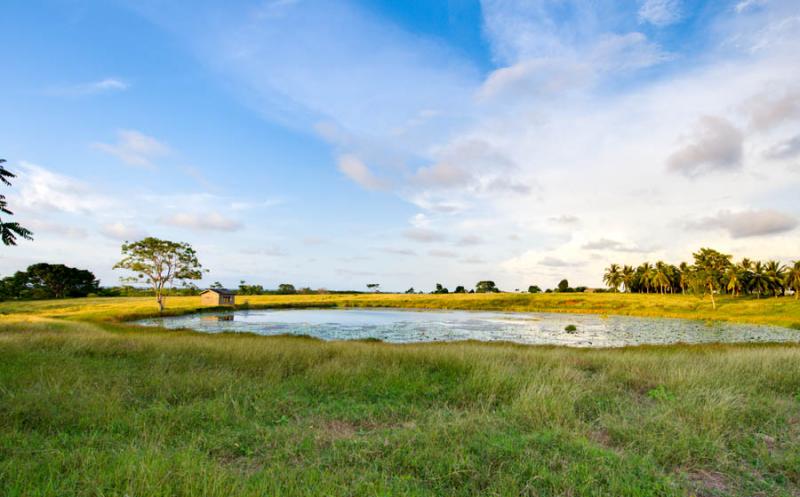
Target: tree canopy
x=160, y=263
x=486, y=286
x=48, y=281
x=9, y=231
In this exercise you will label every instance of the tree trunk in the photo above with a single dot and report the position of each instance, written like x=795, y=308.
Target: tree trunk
x=711, y=292
x=160, y=299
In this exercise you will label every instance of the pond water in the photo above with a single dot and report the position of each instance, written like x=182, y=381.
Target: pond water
x=407, y=326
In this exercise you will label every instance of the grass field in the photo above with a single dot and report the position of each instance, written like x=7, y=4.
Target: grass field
x=784, y=311
x=90, y=406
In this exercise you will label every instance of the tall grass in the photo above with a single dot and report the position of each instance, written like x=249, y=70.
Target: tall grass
x=109, y=409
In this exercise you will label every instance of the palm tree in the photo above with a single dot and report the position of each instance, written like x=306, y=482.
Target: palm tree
x=646, y=275
x=683, y=276
x=792, y=279
x=628, y=275
x=732, y=280
x=775, y=271
x=661, y=277
x=759, y=280
x=613, y=277
x=10, y=231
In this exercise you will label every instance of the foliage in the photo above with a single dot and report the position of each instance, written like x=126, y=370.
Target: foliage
x=245, y=289
x=486, y=286
x=534, y=289
x=563, y=286
x=440, y=289
x=410, y=290
x=460, y=289
x=286, y=289
x=160, y=263
x=48, y=281
x=375, y=287
x=9, y=231
x=571, y=328
x=712, y=273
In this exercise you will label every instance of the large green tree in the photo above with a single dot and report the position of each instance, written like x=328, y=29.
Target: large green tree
x=9, y=231
x=160, y=263
x=48, y=281
x=710, y=266
x=613, y=277
x=486, y=286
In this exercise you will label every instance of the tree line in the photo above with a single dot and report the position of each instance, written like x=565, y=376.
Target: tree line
x=711, y=272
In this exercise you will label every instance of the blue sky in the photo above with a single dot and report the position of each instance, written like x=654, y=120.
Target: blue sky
x=334, y=144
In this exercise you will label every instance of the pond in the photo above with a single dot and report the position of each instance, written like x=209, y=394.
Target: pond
x=409, y=326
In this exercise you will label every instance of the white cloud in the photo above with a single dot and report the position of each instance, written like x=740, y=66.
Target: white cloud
x=552, y=261
x=773, y=107
x=447, y=254
x=424, y=235
x=134, y=148
x=750, y=223
x=202, y=222
x=568, y=117
x=45, y=190
x=105, y=85
x=661, y=12
x=123, y=231
x=787, y=149
x=39, y=227
x=716, y=145
x=746, y=5
x=352, y=167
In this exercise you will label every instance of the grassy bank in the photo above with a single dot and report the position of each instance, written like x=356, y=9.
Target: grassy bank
x=106, y=409
x=783, y=311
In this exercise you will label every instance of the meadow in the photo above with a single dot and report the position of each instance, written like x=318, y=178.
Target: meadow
x=92, y=406
x=784, y=311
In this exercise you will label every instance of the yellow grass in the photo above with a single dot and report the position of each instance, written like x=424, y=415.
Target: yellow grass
x=784, y=311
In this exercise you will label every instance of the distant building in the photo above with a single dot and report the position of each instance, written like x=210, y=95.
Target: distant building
x=217, y=296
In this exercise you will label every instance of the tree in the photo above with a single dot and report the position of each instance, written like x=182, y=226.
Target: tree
x=563, y=285
x=613, y=277
x=733, y=282
x=48, y=281
x=534, y=289
x=375, y=287
x=628, y=276
x=440, y=289
x=245, y=289
x=9, y=231
x=776, y=273
x=216, y=286
x=661, y=277
x=460, y=289
x=286, y=289
x=486, y=286
x=710, y=266
x=160, y=263
x=59, y=281
x=410, y=290
x=759, y=279
x=793, y=279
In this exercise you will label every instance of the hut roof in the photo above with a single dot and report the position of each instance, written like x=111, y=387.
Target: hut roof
x=221, y=291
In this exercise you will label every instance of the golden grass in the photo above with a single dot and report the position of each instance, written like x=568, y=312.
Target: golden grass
x=784, y=311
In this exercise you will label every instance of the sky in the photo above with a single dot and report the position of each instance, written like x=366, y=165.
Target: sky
x=336, y=144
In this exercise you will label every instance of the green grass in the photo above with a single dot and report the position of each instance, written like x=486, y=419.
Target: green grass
x=102, y=408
